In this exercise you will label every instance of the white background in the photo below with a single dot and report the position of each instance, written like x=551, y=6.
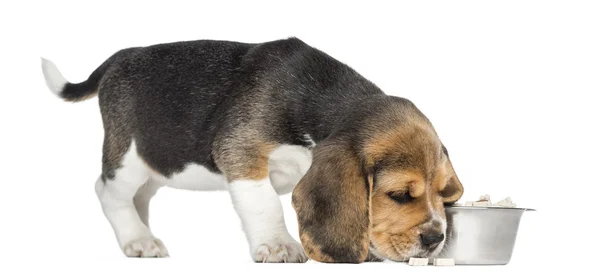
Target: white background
x=511, y=87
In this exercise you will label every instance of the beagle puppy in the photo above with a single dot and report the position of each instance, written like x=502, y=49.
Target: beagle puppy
x=368, y=174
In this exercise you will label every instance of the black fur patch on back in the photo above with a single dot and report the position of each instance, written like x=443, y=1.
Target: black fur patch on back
x=175, y=100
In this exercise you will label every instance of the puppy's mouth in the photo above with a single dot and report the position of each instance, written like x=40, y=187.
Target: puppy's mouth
x=402, y=253
x=428, y=253
x=423, y=253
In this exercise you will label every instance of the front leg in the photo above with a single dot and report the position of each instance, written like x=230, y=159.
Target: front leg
x=259, y=208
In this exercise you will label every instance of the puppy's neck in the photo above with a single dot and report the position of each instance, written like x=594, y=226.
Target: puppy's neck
x=360, y=117
x=320, y=119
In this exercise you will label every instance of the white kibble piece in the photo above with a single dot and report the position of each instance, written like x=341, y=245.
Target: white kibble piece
x=485, y=201
x=485, y=197
x=507, y=202
x=443, y=262
x=481, y=204
x=418, y=261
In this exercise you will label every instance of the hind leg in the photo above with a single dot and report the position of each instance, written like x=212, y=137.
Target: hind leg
x=116, y=196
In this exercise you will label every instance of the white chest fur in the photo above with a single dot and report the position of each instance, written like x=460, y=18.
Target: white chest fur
x=287, y=165
x=194, y=177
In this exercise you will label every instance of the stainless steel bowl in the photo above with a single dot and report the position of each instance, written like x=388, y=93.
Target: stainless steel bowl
x=481, y=235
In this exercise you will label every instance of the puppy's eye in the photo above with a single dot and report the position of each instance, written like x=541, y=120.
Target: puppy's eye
x=401, y=198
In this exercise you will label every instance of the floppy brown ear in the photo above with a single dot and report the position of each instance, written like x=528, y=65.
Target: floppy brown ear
x=454, y=189
x=332, y=203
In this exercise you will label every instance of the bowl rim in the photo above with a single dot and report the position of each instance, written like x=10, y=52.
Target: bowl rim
x=489, y=207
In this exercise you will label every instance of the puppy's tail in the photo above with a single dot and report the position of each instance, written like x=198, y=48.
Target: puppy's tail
x=73, y=92
x=76, y=92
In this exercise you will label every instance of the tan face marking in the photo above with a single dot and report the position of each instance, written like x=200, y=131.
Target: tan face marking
x=401, y=154
x=412, y=163
x=397, y=227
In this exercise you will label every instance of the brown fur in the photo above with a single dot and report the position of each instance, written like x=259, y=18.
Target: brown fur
x=453, y=189
x=348, y=186
x=241, y=161
x=314, y=250
x=424, y=172
x=333, y=225
x=241, y=150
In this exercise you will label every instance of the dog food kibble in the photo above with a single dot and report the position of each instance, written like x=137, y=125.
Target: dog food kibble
x=418, y=261
x=482, y=204
x=486, y=201
x=483, y=201
x=507, y=202
x=443, y=262
x=483, y=198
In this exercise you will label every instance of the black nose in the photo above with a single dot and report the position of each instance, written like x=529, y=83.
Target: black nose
x=430, y=240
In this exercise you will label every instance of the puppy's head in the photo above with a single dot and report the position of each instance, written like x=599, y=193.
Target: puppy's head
x=379, y=188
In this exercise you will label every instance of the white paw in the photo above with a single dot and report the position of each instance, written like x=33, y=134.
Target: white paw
x=146, y=247
x=282, y=252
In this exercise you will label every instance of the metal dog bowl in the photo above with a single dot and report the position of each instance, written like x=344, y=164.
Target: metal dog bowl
x=481, y=235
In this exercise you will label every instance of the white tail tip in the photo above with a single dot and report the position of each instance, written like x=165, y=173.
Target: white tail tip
x=54, y=79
